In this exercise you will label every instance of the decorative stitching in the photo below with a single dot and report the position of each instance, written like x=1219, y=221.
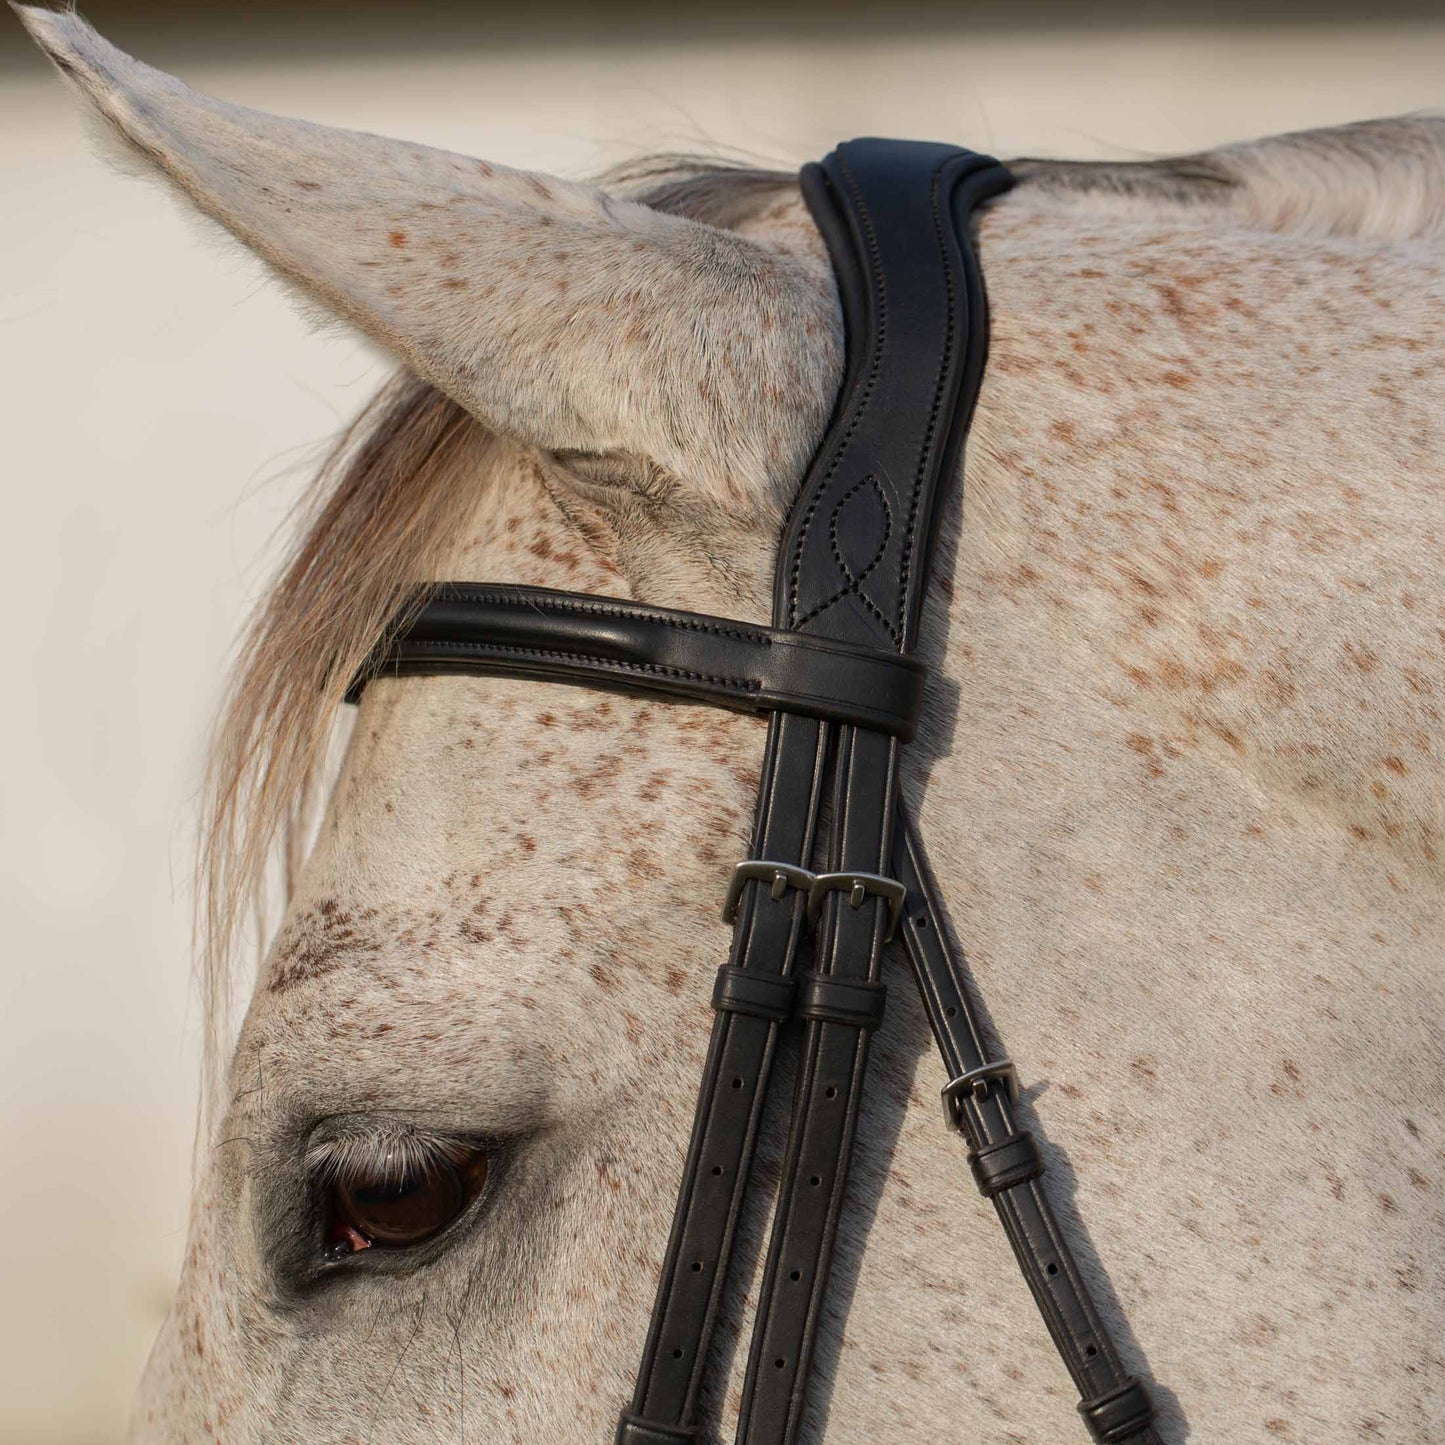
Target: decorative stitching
x=416, y=651
x=573, y=603
x=482, y=649
x=880, y=293
x=466, y=592
x=854, y=584
x=945, y=378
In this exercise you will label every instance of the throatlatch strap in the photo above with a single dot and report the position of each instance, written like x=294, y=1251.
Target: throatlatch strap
x=979, y=1101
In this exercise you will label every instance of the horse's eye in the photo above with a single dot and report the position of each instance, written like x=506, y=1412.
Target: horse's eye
x=395, y=1212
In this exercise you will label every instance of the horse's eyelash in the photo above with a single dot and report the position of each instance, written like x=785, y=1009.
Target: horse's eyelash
x=380, y=1155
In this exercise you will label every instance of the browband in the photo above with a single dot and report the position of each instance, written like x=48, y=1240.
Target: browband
x=836, y=868
x=550, y=636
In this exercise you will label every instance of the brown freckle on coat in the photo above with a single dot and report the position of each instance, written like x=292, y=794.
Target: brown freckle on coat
x=397, y=238
x=1387, y=1203
x=603, y=979
x=1362, y=657
x=652, y=789
x=1227, y=736
x=1278, y=1426
x=1064, y=431
x=1176, y=379
x=1396, y=765
x=455, y=283
x=1418, y=1180
x=308, y=185
x=1258, y=1330
x=1146, y=1068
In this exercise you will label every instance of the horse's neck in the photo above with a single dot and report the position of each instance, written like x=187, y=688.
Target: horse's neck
x=1177, y=779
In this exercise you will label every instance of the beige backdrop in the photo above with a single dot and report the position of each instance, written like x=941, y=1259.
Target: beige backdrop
x=161, y=406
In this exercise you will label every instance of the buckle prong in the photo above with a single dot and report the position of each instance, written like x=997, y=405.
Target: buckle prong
x=778, y=876
x=858, y=887
x=976, y=1081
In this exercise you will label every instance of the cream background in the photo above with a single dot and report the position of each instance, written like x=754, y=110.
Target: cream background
x=162, y=403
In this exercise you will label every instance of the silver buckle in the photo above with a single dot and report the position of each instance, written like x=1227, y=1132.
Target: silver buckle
x=859, y=886
x=779, y=876
x=978, y=1081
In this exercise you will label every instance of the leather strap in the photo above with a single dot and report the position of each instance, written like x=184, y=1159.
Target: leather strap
x=605, y=642
x=896, y=219
x=767, y=933
x=1007, y=1164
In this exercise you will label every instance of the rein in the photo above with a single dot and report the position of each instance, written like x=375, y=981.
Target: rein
x=837, y=867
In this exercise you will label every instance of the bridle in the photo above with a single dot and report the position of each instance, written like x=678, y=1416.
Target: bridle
x=836, y=860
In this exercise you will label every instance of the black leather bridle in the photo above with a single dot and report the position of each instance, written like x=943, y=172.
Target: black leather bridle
x=835, y=676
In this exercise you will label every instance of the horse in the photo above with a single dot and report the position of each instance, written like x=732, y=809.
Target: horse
x=1179, y=766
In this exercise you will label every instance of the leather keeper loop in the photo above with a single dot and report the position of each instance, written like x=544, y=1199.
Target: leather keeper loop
x=1001, y=1166
x=633, y=1430
x=853, y=1001
x=1120, y=1414
x=748, y=991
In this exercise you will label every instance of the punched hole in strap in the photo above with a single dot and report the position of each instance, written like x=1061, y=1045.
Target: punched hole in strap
x=854, y=1001
x=749, y=991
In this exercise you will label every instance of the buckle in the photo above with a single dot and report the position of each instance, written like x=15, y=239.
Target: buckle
x=779, y=876
x=859, y=886
x=977, y=1080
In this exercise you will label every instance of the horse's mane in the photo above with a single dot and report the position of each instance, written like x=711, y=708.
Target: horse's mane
x=1376, y=180
x=387, y=503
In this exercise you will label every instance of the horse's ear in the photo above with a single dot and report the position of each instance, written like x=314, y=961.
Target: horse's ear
x=553, y=312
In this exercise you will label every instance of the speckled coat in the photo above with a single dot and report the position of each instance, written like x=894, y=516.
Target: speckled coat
x=1180, y=775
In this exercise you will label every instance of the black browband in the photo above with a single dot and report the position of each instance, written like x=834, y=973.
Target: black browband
x=835, y=677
